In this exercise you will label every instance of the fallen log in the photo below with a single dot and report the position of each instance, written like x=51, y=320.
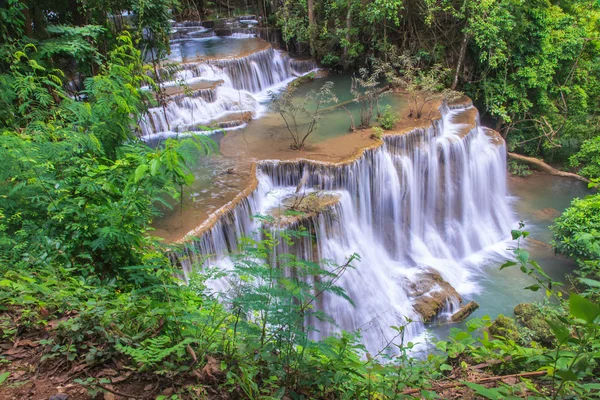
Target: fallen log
x=464, y=312
x=345, y=103
x=540, y=164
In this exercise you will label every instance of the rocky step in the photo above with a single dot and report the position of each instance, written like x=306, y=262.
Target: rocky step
x=206, y=90
x=232, y=31
x=232, y=120
x=300, y=207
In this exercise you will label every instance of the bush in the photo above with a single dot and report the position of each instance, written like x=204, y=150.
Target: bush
x=388, y=119
x=377, y=133
x=518, y=169
x=577, y=230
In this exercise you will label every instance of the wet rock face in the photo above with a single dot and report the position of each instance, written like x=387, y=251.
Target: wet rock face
x=304, y=207
x=431, y=293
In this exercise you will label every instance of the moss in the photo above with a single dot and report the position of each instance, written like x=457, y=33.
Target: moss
x=300, y=80
x=530, y=316
x=505, y=327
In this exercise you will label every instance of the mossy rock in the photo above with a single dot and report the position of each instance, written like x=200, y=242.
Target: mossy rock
x=506, y=327
x=431, y=293
x=300, y=208
x=532, y=318
x=300, y=80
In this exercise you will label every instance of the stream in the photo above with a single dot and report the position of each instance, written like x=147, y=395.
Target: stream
x=433, y=201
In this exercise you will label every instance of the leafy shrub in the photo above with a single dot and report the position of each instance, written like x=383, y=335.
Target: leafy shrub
x=588, y=158
x=577, y=230
x=518, y=169
x=388, y=119
x=377, y=133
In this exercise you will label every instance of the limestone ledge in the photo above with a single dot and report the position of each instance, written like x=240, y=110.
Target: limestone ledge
x=403, y=129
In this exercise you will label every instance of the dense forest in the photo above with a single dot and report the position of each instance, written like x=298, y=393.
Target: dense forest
x=93, y=305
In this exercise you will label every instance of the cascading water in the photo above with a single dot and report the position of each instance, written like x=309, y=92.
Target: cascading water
x=423, y=202
x=240, y=84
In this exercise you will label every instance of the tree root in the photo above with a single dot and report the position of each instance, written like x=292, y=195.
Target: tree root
x=478, y=381
x=540, y=164
x=131, y=396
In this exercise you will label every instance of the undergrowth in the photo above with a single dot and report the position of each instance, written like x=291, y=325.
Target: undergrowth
x=252, y=341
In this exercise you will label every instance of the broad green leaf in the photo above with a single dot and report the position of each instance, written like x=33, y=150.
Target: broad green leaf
x=567, y=375
x=140, y=172
x=445, y=367
x=522, y=256
x=508, y=264
x=582, y=308
x=590, y=282
x=561, y=332
x=492, y=394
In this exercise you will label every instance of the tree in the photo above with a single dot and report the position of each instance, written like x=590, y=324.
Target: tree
x=301, y=119
x=366, y=91
x=422, y=85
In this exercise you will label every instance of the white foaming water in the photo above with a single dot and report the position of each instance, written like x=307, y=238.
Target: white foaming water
x=429, y=200
x=241, y=84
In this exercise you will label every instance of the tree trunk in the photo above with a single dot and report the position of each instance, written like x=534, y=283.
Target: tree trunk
x=461, y=59
x=79, y=18
x=274, y=6
x=28, y=26
x=312, y=25
x=541, y=165
x=39, y=21
x=348, y=27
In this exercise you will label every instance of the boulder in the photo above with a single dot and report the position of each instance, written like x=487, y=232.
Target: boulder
x=532, y=318
x=506, y=327
x=431, y=293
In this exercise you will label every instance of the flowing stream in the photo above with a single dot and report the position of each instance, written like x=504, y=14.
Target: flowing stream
x=430, y=201
x=424, y=201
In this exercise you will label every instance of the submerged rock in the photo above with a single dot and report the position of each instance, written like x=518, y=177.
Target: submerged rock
x=431, y=294
x=546, y=214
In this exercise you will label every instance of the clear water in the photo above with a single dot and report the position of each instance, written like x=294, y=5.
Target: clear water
x=536, y=200
x=213, y=47
x=337, y=122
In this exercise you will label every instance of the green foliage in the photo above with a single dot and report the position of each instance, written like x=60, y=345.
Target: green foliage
x=388, y=118
x=531, y=67
x=377, y=133
x=577, y=230
x=78, y=187
x=519, y=169
x=588, y=158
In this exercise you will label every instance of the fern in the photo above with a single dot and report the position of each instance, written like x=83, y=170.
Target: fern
x=153, y=351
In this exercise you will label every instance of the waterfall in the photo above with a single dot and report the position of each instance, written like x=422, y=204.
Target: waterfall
x=239, y=85
x=424, y=201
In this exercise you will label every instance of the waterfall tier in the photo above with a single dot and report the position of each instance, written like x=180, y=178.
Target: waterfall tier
x=421, y=203
x=242, y=82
